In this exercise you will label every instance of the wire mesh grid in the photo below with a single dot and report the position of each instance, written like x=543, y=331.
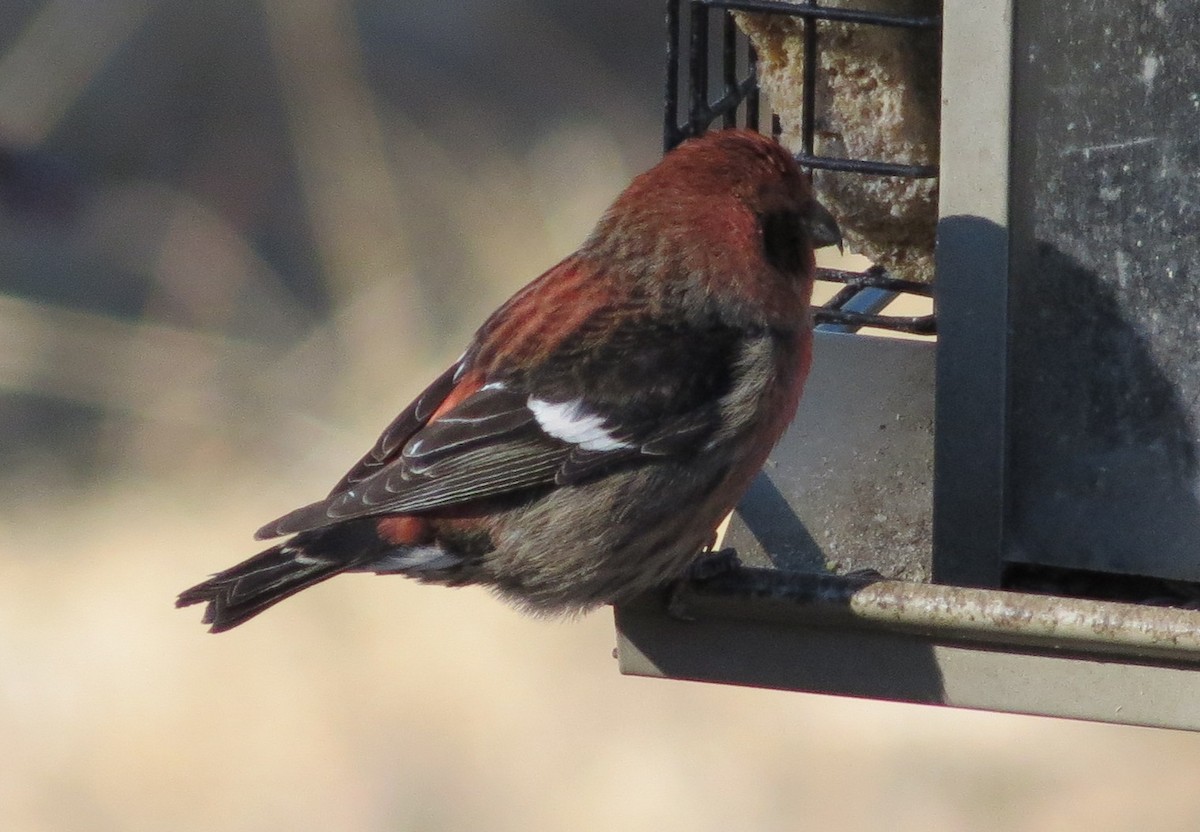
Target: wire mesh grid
x=703, y=42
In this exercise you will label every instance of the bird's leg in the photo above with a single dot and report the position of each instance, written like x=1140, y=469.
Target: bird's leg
x=707, y=566
x=711, y=564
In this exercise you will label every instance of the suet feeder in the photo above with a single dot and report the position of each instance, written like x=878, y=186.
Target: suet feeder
x=1009, y=517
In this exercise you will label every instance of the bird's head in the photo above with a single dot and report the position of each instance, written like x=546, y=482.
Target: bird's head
x=728, y=213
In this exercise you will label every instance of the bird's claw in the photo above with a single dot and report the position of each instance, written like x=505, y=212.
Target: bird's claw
x=713, y=564
x=707, y=566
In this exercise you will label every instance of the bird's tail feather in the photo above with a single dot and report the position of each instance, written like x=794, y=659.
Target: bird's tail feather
x=241, y=592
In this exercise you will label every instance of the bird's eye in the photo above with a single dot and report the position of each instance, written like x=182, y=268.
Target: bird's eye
x=783, y=240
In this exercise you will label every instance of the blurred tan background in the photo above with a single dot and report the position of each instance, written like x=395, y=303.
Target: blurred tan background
x=236, y=237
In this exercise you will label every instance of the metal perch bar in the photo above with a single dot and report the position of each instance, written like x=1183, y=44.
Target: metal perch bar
x=954, y=614
x=851, y=308
x=875, y=277
x=915, y=324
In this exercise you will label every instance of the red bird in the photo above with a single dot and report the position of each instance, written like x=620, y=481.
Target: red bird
x=602, y=422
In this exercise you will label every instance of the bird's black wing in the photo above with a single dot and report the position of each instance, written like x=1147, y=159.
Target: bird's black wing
x=614, y=393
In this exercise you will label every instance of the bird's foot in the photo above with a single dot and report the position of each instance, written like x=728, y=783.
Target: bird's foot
x=713, y=564
x=707, y=566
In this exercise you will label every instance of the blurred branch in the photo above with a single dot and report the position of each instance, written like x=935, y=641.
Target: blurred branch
x=148, y=370
x=55, y=58
x=341, y=154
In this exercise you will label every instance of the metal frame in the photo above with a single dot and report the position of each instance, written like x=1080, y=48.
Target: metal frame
x=972, y=293
x=785, y=624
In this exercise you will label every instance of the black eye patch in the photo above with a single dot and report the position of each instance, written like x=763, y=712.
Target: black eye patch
x=783, y=240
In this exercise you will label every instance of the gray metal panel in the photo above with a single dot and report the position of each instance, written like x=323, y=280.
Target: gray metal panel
x=971, y=293
x=850, y=484
x=1105, y=358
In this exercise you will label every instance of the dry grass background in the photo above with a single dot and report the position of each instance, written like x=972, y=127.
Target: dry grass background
x=168, y=380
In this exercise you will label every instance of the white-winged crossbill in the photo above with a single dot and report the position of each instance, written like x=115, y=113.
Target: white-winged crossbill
x=602, y=422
